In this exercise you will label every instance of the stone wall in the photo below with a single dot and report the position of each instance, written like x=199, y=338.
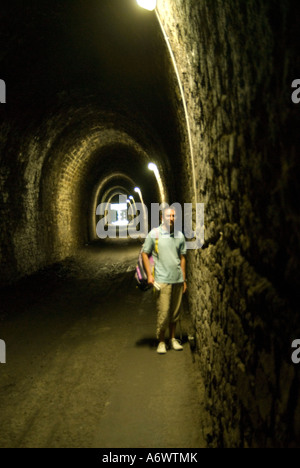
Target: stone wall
x=237, y=61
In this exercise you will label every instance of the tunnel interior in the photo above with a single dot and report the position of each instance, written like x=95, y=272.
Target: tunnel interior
x=92, y=97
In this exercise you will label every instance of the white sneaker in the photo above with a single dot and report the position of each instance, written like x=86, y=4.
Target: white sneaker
x=161, y=349
x=176, y=345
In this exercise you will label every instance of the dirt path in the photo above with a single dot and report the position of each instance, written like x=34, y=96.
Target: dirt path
x=82, y=370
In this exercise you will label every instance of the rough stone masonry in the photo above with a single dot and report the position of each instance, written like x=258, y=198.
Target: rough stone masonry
x=237, y=62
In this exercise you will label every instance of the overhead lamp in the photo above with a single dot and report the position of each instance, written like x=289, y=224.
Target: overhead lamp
x=138, y=190
x=152, y=167
x=147, y=4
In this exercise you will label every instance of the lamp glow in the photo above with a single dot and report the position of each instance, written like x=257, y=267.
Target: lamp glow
x=138, y=190
x=152, y=167
x=147, y=4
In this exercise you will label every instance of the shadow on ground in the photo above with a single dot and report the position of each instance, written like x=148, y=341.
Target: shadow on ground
x=82, y=368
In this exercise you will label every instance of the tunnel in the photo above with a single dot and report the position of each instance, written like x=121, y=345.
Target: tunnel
x=91, y=93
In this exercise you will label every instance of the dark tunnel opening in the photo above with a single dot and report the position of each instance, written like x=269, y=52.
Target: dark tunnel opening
x=97, y=90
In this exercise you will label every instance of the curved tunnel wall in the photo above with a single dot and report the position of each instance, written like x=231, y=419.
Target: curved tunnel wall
x=237, y=61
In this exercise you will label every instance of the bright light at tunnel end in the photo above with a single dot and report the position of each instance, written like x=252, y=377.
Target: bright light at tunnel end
x=147, y=4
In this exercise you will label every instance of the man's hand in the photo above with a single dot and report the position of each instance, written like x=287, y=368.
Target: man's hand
x=146, y=262
x=151, y=279
x=183, y=268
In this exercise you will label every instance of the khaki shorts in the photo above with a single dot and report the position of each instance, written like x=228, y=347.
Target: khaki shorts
x=168, y=305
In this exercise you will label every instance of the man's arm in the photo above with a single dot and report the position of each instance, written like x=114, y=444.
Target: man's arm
x=147, y=268
x=183, y=269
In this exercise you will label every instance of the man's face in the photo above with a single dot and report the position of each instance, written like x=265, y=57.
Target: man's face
x=169, y=219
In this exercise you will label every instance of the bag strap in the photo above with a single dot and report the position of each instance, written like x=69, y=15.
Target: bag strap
x=156, y=240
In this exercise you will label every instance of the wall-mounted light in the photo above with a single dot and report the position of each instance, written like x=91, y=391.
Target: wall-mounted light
x=147, y=4
x=138, y=190
x=152, y=167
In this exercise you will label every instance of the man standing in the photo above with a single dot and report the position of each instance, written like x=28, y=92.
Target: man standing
x=169, y=273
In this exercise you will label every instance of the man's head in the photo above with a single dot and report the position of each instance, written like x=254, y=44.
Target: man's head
x=168, y=218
